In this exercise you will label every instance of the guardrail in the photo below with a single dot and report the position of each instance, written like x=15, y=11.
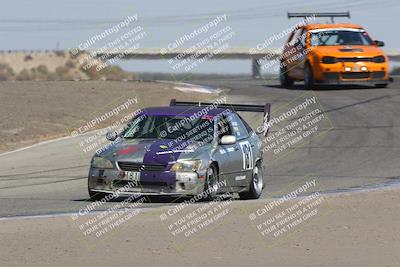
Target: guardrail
x=182, y=53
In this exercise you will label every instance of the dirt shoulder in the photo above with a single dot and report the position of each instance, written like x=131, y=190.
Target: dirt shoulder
x=357, y=229
x=33, y=111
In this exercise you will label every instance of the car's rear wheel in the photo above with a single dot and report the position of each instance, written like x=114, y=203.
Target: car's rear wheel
x=284, y=79
x=308, y=77
x=211, y=183
x=256, y=184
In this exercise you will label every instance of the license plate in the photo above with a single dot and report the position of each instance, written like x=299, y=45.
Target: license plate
x=133, y=176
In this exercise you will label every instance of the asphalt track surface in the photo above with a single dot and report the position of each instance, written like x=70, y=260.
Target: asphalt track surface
x=359, y=150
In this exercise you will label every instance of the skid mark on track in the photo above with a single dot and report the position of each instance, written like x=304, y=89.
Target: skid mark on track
x=361, y=102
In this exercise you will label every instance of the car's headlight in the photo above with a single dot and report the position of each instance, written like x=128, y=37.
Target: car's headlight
x=102, y=163
x=186, y=166
x=378, y=59
x=329, y=60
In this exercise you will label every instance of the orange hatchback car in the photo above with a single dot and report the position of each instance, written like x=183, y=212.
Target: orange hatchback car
x=332, y=54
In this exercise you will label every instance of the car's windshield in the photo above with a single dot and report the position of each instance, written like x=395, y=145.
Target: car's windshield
x=183, y=128
x=340, y=37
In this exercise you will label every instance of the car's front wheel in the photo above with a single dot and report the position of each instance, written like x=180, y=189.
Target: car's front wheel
x=211, y=183
x=308, y=77
x=256, y=184
x=284, y=78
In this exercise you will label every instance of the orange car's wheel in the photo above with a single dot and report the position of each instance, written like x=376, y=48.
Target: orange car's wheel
x=308, y=77
x=284, y=79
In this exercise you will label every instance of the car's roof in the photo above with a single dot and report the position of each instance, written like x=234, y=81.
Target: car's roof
x=314, y=26
x=183, y=110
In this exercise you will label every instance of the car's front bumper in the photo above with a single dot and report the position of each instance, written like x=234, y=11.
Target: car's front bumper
x=352, y=73
x=149, y=183
x=369, y=78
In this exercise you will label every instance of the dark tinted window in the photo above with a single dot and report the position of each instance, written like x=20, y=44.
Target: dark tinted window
x=169, y=127
x=223, y=127
x=340, y=37
x=295, y=37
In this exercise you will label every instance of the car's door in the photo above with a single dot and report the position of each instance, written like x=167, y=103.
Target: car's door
x=229, y=157
x=246, y=148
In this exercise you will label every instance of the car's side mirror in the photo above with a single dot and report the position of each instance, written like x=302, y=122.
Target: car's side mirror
x=111, y=135
x=228, y=140
x=379, y=43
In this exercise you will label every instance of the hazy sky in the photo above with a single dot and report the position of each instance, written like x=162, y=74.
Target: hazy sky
x=41, y=24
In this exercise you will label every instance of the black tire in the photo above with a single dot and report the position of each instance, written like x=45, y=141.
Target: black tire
x=256, y=184
x=284, y=79
x=211, y=183
x=308, y=77
x=381, y=85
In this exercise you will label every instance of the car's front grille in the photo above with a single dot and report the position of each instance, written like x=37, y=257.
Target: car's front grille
x=122, y=183
x=332, y=76
x=378, y=74
x=137, y=166
x=355, y=75
x=354, y=59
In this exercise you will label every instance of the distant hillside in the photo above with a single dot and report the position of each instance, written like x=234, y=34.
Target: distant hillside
x=56, y=65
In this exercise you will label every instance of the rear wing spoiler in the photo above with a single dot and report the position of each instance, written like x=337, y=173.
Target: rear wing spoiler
x=266, y=109
x=331, y=15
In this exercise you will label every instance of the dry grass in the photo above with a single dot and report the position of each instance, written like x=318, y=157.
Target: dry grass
x=33, y=111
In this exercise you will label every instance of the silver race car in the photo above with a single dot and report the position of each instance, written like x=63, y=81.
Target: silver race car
x=185, y=149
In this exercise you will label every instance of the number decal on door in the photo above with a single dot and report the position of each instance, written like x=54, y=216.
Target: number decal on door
x=247, y=154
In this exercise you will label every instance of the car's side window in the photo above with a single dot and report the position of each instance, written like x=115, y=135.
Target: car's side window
x=295, y=37
x=303, y=38
x=239, y=129
x=248, y=128
x=223, y=127
x=292, y=34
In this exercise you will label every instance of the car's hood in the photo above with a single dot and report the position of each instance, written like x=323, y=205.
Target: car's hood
x=152, y=151
x=348, y=51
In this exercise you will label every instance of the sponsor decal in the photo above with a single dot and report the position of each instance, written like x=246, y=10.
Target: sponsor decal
x=175, y=151
x=128, y=150
x=134, y=176
x=247, y=154
x=241, y=177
